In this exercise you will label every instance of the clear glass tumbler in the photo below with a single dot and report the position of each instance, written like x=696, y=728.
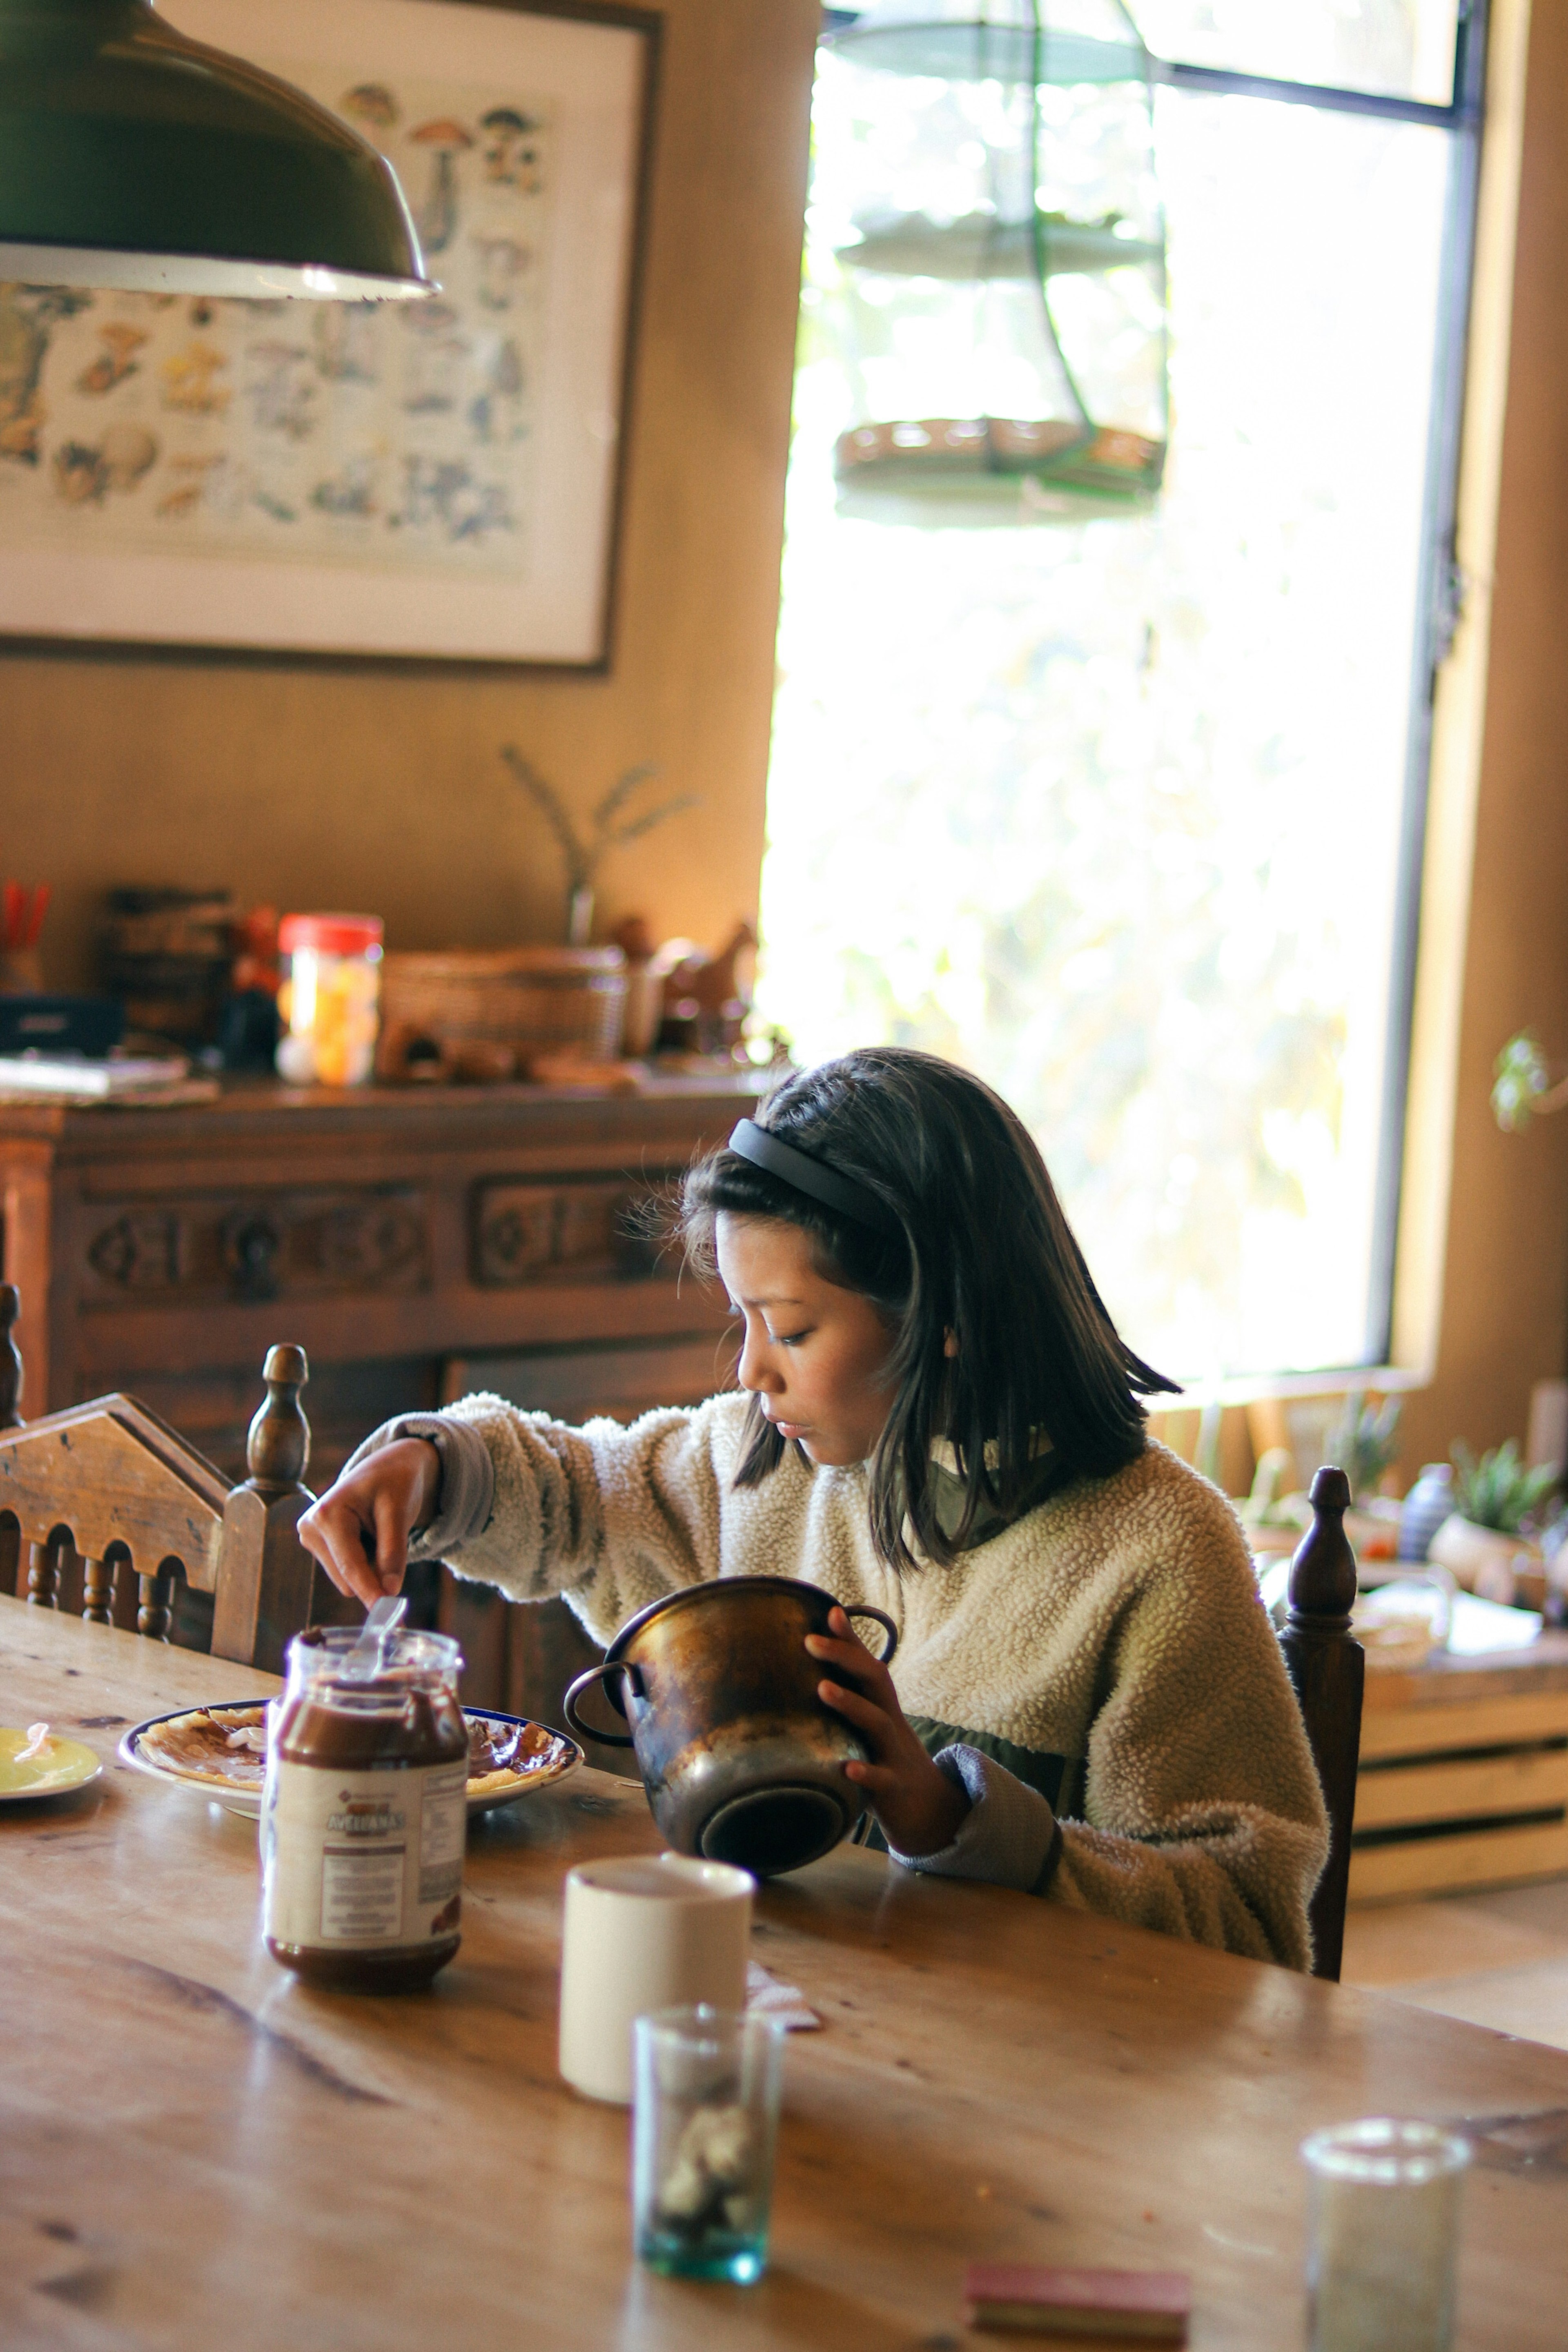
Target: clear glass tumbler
x=704, y=2126
x=1383, y=2235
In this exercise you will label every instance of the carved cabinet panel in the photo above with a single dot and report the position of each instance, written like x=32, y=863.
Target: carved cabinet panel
x=272, y=1246
x=392, y=1233
x=528, y=1233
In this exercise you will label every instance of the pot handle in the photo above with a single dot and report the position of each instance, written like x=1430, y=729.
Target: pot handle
x=864, y=1609
x=597, y=1674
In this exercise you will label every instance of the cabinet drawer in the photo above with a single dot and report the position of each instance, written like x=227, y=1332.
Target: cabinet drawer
x=271, y=1244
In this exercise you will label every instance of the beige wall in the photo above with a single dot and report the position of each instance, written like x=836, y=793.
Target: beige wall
x=382, y=789
x=1504, y=1296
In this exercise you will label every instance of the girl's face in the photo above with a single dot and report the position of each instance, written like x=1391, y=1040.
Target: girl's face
x=816, y=1355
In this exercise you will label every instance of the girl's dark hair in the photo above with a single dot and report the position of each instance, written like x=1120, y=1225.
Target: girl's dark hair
x=976, y=1243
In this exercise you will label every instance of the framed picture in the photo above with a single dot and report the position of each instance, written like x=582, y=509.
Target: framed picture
x=434, y=479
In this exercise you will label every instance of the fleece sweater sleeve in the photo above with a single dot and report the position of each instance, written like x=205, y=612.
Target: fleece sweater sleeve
x=1199, y=1812
x=610, y=1517
x=468, y=1481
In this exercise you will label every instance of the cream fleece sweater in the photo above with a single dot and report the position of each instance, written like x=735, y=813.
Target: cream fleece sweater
x=1117, y=1627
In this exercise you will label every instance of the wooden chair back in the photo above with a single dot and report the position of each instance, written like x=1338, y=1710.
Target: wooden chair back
x=1328, y=1669
x=111, y=1485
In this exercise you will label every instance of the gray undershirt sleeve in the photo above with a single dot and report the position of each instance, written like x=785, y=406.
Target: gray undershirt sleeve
x=1009, y=1836
x=468, y=1480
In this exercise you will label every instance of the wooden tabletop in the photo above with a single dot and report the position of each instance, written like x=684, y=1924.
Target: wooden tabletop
x=197, y=2151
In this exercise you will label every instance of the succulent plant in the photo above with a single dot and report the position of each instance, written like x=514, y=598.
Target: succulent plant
x=1498, y=1491
x=1266, y=1506
x=1365, y=1440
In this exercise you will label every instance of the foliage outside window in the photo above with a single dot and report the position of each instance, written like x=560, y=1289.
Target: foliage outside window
x=1113, y=808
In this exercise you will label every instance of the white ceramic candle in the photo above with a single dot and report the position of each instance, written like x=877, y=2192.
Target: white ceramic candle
x=642, y=1933
x=1383, y=2233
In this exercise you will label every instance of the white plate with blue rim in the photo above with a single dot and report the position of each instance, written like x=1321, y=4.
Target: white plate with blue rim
x=220, y=1751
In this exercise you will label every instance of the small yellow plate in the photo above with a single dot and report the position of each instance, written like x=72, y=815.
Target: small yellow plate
x=65, y=1764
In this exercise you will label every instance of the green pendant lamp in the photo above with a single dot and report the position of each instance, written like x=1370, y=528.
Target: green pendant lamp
x=132, y=157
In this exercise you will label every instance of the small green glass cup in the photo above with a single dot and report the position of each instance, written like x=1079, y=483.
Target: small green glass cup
x=705, y=2119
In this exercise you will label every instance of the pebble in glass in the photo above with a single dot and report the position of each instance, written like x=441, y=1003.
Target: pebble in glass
x=704, y=2127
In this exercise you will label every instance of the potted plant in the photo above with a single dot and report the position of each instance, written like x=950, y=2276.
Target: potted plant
x=612, y=829
x=1487, y=1543
x=1362, y=1441
x=1523, y=1085
x=1364, y=1444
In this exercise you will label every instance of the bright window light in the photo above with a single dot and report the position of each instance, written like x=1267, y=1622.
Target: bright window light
x=1113, y=809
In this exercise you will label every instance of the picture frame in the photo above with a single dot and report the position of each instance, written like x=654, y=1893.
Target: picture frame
x=435, y=481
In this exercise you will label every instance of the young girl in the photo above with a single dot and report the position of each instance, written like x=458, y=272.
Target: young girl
x=936, y=1415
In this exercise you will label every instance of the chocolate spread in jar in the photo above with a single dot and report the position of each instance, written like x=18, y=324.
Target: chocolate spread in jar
x=364, y=1815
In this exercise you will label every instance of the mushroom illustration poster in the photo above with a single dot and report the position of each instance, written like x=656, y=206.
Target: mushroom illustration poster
x=429, y=477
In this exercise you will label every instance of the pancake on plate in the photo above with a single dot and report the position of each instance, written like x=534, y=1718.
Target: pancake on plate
x=228, y=1746
x=501, y=1754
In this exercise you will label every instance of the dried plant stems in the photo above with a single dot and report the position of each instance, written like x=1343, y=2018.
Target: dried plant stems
x=609, y=831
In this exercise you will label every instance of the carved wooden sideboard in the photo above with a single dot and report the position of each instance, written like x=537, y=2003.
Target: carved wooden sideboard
x=416, y=1242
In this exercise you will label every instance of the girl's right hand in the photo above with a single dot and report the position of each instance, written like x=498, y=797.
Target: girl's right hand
x=359, y=1530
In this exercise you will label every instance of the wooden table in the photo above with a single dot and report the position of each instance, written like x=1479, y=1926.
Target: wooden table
x=198, y=2152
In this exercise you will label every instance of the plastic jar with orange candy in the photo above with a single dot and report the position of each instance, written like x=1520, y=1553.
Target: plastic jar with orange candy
x=330, y=1000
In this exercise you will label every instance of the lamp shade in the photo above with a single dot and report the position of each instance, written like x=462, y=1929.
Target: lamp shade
x=134, y=157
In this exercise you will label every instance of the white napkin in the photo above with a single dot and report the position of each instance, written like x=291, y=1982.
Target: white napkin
x=767, y=1997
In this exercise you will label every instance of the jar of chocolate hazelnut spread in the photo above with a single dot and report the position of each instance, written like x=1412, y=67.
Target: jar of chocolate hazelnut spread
x=364, y=1813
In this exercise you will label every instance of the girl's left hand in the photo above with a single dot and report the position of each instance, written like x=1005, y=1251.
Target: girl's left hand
x=919, y=1807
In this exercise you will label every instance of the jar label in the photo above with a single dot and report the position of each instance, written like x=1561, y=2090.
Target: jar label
x=362, y=1860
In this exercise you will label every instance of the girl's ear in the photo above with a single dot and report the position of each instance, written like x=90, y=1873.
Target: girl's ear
x=950, y=1343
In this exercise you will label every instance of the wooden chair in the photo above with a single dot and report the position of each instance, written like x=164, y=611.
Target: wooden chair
x=1328, y=1670
x=112, y=1485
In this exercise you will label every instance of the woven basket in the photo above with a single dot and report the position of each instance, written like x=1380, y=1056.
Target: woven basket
x=518, y=1002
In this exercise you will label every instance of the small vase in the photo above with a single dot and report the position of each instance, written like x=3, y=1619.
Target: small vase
x=645, y=1008
x=580, y=916
x=1425, y=1508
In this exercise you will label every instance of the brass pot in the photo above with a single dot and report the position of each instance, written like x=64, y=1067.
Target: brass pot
x=740, y=1759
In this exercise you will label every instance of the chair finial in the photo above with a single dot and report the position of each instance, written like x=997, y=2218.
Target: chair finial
x=278, y=1445
x=10, y=1357
x=1326, y=1666
x=1322, y=1586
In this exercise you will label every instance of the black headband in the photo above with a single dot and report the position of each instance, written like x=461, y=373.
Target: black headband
x=802, y=1173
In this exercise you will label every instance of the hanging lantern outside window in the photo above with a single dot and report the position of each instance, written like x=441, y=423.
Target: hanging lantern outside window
x=986, y=179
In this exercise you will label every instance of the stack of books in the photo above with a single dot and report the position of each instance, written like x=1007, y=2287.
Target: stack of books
x=142, y=1079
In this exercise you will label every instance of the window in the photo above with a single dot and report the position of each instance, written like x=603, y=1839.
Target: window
x=1123, y=811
